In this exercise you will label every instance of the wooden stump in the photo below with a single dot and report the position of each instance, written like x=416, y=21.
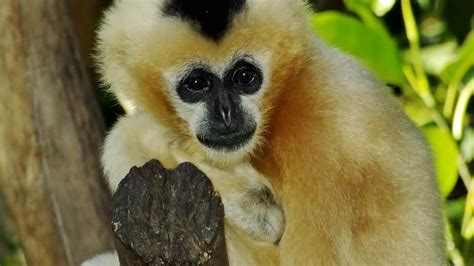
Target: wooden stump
x=168, y=217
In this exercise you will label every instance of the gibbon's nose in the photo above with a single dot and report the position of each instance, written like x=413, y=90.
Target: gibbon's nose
x=226, y=114
x=225, y=109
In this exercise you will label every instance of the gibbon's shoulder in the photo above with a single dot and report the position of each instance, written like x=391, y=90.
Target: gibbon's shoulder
x=364, y=114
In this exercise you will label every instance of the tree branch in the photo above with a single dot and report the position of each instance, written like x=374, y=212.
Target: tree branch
x=50, y=132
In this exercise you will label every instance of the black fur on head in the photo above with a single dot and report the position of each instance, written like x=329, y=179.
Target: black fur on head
x=211, y=17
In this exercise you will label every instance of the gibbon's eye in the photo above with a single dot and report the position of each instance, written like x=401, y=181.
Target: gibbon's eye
x=198, y=84
x=244, y=76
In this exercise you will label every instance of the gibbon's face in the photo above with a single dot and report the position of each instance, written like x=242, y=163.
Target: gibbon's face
x=220, y=103
x=209, y=69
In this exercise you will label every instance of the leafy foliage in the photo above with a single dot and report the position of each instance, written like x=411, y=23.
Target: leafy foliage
x=445, y=154
x=436, y=76
x=430, y=57
x=376, y=49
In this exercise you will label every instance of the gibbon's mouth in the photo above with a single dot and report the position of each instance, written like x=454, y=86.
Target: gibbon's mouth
x=227, y=142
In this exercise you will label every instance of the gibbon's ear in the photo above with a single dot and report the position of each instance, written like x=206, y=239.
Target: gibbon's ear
x=212, y=18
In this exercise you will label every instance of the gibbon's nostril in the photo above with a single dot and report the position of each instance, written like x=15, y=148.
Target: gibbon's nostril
x=225, y=108
x=226, y=114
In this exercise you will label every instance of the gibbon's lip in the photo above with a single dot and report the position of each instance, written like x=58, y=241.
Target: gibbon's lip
x=227, y=142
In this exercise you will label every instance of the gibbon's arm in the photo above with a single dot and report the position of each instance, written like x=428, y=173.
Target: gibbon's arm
x=248, y=197
x=249, y=201
x=134, y=140
x=366, y=192
x=251, y=208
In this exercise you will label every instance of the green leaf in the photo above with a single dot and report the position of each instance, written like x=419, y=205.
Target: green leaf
x=417, y=111
x=374, y=48
x=445, y=154
x=436, y=57
x=455, y=210
x=363, y=9
x=455, y=71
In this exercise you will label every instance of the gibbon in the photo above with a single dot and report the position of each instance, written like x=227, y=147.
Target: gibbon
x=314, y=159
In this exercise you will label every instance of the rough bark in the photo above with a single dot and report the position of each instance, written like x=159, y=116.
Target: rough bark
x=50, y=133
x=168, y=217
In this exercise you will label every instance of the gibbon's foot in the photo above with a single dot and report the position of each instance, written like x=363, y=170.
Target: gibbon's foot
x=163, y=216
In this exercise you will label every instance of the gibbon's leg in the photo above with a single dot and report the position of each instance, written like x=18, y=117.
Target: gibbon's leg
x=374, y=214
x=242, y=250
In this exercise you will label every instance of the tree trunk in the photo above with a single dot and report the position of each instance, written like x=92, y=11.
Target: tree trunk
x=86, y=28
x=50, y=133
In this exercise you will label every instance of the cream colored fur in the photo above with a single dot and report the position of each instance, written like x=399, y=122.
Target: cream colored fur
x=353, y=174
x=137, y=138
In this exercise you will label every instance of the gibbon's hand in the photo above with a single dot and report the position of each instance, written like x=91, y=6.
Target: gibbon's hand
x=249, y=200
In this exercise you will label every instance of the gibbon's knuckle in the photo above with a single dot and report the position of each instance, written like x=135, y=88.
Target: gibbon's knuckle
x=259, y=214
x=269, y=214
x=271, y=226
x=263, y=196
x=276, y=224
x=278, y=240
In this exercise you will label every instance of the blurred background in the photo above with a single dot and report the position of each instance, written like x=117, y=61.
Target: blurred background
x=423, y=50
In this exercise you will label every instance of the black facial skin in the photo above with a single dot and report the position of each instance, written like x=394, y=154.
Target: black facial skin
x=227, y=125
